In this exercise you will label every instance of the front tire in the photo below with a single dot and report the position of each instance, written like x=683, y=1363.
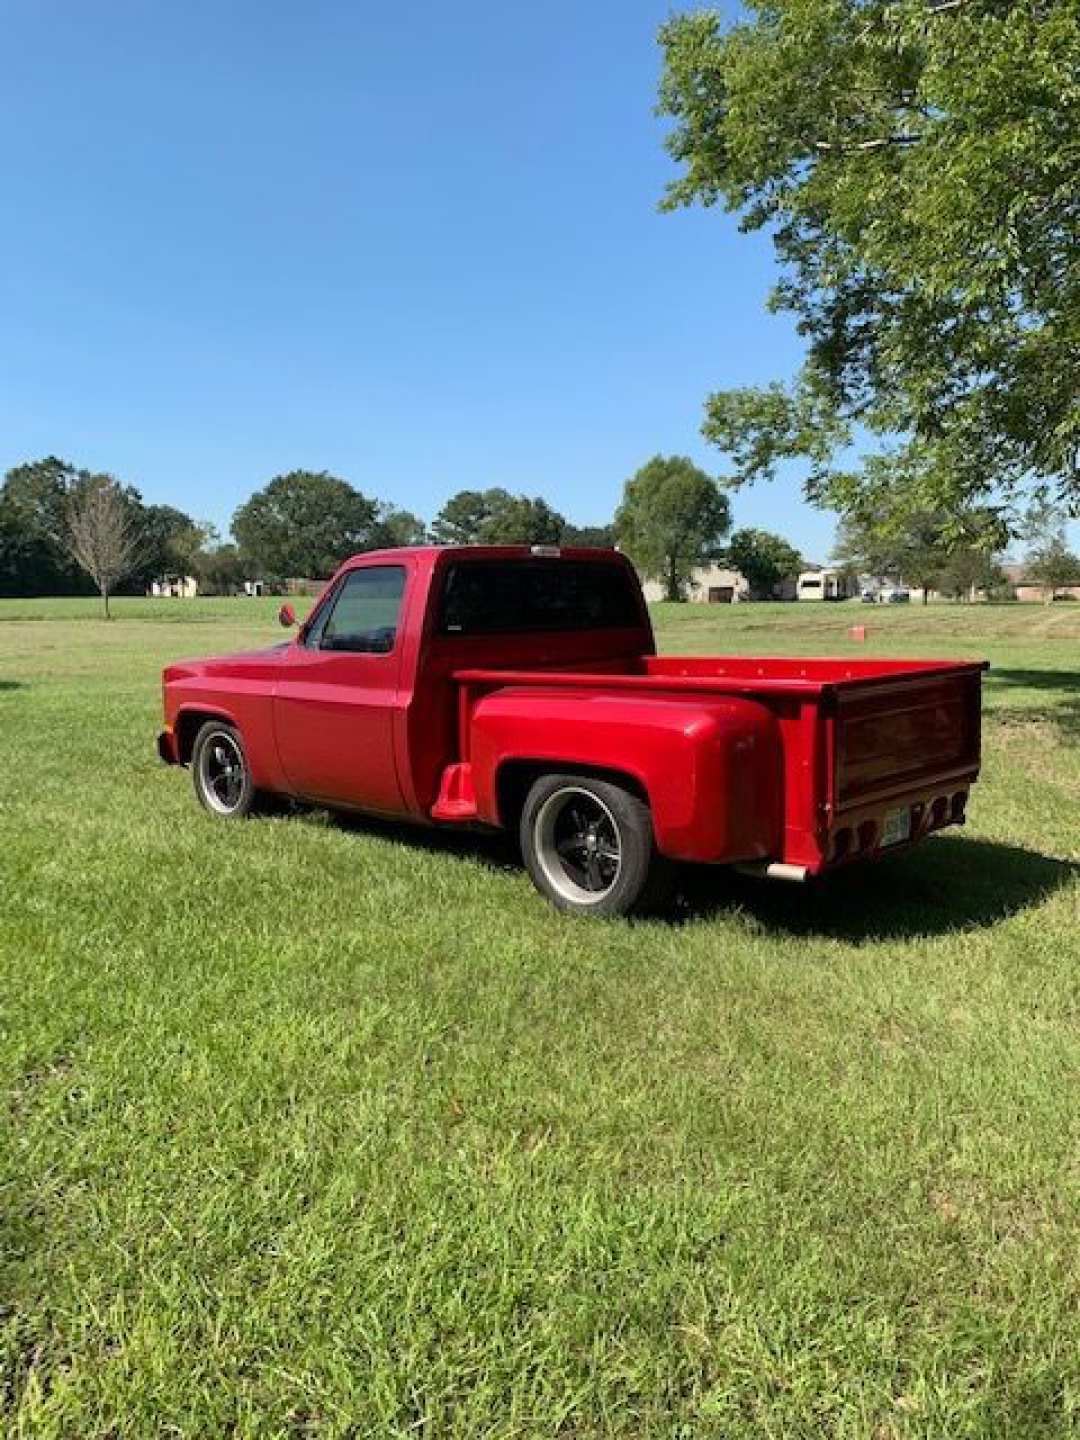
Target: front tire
x=220, y=771
x=588, y=846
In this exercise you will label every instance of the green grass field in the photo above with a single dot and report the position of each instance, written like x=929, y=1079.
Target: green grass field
x=314, y=1129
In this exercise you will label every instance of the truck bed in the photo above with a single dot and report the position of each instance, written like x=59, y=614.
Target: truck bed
x=875, y=752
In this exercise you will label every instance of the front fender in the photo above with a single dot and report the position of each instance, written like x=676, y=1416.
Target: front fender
x=188, y=706
x=711, y=769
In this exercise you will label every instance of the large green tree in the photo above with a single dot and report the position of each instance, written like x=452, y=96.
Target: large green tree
x=304, y=524
x=396, y=527
x=599, y=536
x=673, y=519
x=495, y=517
x=524, y=521
x=915, y=164
x=462, y=519
x=763, y=558
x=34, y=503
x=172, y=542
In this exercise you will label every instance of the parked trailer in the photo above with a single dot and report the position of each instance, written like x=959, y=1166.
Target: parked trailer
x=825, y=585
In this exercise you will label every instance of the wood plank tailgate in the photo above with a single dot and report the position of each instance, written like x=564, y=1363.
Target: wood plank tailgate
x=902, y=735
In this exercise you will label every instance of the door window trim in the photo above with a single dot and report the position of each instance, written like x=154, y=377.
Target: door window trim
x=312, y=636
x=313, y=625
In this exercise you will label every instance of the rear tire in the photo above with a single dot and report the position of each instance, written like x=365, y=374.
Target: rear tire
x=588, y=846
x=220, y=771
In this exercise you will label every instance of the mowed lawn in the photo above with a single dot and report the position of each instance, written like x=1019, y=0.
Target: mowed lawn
x=314, y=1129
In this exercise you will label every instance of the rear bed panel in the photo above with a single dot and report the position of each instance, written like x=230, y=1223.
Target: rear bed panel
x=890, y=738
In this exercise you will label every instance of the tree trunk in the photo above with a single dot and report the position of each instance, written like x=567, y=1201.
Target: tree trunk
x=673, y=592
x=105, y=597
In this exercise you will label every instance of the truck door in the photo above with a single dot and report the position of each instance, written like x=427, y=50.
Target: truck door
x=334, y=704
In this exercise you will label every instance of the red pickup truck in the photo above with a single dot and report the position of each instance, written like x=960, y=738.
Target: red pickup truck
x=520, y=688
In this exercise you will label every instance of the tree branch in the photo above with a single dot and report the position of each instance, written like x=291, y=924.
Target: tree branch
x=857, y=146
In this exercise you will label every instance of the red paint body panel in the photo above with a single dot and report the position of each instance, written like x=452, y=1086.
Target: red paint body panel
x=685, y=754
x=741, y=758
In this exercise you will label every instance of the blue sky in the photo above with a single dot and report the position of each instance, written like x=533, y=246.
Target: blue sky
x=415, y=245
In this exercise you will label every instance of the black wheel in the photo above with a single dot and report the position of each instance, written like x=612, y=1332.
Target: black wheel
x=588, y=846
x=220, y=771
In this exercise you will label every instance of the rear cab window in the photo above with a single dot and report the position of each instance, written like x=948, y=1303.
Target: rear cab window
x=499, y=597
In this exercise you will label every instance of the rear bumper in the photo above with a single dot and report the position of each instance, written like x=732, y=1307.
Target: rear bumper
x=860, y=834
x=166, y=747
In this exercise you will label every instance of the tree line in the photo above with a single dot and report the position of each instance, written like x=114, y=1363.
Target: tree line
x=65, y=530
x=957, y=551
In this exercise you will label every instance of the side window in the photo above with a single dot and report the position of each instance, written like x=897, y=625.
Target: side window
x=363, y=615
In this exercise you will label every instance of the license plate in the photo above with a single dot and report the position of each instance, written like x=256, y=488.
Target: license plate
x=897, y=827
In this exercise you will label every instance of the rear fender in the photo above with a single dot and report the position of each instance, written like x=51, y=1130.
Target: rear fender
x=710, y=770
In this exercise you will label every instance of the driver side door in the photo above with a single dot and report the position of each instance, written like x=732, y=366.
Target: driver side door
x=335, y=702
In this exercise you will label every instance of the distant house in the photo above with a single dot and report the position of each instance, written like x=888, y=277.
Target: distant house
x=254, y=588
x=1041, y=593
x=715, y=585
x=175, y=587
x=1029, y=592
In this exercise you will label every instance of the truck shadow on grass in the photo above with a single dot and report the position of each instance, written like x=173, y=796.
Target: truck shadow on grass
x=1067, y=681
x=947, y=884
x=492, y=849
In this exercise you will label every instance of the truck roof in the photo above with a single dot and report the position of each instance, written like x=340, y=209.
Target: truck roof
x=494, y=552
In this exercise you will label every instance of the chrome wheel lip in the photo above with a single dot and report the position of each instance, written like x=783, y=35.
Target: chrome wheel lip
x=222, y=773
x=547, y=842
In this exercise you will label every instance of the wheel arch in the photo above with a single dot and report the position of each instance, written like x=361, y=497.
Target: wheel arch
x=189, y=722
x=515, y=777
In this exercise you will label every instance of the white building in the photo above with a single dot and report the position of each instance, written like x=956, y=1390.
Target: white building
x=175, y=587
x=715, y=585
x=709, y=585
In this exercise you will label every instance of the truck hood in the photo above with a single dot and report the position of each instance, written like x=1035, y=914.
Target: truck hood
x=251, y=664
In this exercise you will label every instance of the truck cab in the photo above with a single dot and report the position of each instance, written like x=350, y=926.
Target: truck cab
x=519, y=688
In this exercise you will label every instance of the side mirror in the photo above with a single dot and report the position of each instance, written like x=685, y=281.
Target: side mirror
x=287, y=616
